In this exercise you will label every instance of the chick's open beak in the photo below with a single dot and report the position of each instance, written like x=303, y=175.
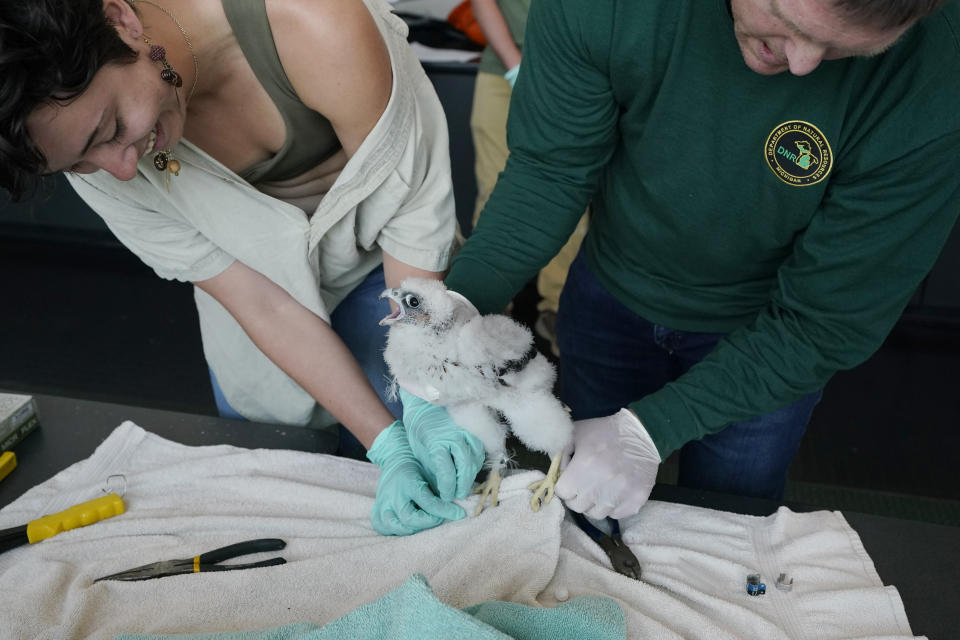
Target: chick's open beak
x=398, y=313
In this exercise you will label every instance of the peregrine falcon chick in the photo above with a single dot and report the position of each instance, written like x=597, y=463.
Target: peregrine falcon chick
x=484, y=370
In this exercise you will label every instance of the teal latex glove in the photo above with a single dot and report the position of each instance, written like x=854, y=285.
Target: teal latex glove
x=405, y=504
x=451, y=456
x=511, y=75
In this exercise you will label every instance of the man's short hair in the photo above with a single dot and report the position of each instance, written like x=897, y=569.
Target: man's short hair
x=887, y=14
x=50, y=50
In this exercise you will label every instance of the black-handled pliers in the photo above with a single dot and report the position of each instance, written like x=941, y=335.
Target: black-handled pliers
x=205, y=561
x=622, y=559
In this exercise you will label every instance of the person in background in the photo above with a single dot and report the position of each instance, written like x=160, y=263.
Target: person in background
x=503, y=23
x=770, y=181
x=290, y=159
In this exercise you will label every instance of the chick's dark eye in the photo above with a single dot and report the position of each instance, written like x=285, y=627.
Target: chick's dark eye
x=412, y=302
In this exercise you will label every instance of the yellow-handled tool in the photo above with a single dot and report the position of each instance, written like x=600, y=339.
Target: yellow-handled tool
x=8, y=462
x=76, y=516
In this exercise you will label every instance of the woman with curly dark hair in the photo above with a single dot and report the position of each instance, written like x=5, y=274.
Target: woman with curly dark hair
x=289, y=158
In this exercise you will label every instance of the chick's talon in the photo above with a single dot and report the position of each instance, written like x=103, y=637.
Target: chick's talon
x=543, y=494
x=543, y=489
x=489, y=489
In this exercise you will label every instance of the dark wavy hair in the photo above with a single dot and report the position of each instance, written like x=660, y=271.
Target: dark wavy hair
x=887, y=14
x=50, y=50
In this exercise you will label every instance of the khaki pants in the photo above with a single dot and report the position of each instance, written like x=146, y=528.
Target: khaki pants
x=488, y=123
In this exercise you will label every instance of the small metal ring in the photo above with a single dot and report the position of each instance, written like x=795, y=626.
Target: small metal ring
x=116, y=479
x=784, y=582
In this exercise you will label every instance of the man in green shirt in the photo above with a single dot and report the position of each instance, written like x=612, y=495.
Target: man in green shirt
x=770, y=180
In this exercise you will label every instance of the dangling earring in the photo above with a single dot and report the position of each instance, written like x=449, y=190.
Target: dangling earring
x=167, y=74
x=163, y=160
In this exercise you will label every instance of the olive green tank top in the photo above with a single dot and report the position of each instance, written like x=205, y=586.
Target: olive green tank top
x=310, y=137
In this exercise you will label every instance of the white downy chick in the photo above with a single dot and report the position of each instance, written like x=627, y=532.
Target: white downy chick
x=484, y=370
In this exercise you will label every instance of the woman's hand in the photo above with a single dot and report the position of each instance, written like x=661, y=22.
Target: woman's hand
x=405, y=504
x=451, y=457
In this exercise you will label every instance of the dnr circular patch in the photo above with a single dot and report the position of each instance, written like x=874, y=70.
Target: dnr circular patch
x=798, y=153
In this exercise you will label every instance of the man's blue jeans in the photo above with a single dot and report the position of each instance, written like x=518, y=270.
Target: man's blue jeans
x=356, y=320
x=610, y=356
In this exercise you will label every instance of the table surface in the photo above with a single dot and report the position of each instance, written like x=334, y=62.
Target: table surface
x=922, y=560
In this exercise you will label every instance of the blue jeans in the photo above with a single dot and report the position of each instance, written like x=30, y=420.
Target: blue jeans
x=356, y=320
x=610, y=356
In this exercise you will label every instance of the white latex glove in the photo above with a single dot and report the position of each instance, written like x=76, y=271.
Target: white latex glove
x=613, y=468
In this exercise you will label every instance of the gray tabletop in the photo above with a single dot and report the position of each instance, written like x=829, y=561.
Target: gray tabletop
x=922, y=560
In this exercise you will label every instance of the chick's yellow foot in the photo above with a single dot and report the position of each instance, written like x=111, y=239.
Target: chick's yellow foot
x=543, y=489
x=489, y=489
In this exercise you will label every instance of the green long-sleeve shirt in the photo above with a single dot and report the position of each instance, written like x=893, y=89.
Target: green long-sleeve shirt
x=799, y=214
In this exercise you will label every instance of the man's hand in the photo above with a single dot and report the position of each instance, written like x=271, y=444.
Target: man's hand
x=613, y=468
x=450, y=456
x=405, y=503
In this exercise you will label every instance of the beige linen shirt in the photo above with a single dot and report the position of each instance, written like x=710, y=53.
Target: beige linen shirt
x=395, y=195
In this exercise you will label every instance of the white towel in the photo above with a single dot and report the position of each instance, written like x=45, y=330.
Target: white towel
x=186, y=500
x=695, y=562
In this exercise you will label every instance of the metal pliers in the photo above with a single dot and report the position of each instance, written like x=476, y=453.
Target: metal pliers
x=205, y=561
x=622, y=559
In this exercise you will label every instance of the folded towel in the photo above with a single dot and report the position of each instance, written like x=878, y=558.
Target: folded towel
x=186, y=500
x=412, y=612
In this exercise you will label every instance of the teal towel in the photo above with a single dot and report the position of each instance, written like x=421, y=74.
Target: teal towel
x=413, y=611
x=587, y=618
